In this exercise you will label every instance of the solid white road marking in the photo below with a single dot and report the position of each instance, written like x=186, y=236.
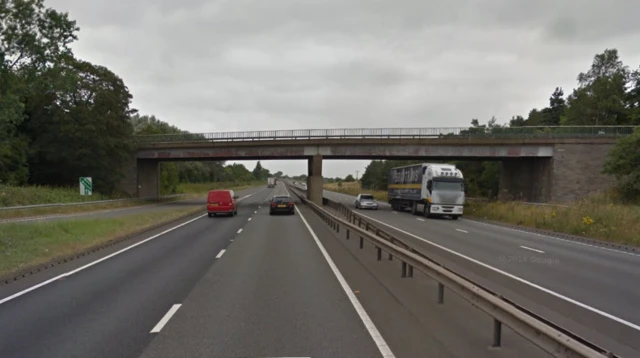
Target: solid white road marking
x=466, y=232
x=420, y=219
x=528, y=248
x=239, y=231
x=221, y=253
x=249, y=219
x=529, y=283
x=395, y=212
x=554, y=238
x=44, y=283
x=166, y=318
x=371, y=328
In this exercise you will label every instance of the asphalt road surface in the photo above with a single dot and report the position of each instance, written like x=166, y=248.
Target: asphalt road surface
x=591, y=290
x=252, y=285
x=114, y=213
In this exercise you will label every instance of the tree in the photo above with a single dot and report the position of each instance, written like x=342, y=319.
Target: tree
x=600, y=98
x=349, y=179
x=32, y=40
x=258, y=171
x=81, y=130
x=624, y=163
x=278, y=174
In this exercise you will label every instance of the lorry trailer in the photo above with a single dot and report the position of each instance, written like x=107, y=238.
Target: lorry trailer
x=427, y=189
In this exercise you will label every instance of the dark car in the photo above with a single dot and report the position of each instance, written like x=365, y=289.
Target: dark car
x=281, y=204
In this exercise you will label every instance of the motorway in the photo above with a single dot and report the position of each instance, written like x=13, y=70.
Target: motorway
x=252, y=285
x=111, y=213
x=589, y=289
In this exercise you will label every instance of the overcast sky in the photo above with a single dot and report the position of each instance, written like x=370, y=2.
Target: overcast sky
x=233, y=65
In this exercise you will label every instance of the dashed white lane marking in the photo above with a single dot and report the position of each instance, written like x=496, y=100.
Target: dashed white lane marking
x=221, y=253
x=514, y=277
x=528, y=248
x=464, y=231
x=166, y=318
x=239, y=231
x=420, y=219
x=370, y=326
x=249, y=219
x=395, y=212
x=44, y=283
x=554, y=238
x=255, y=212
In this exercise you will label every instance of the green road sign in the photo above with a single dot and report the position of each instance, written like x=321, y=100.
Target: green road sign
x=86, y=186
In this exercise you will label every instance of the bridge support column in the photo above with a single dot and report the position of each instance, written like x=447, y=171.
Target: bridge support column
x=315, y=182
x=526, y=179
x=148, y=178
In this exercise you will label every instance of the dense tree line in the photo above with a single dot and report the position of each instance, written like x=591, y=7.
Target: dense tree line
x=607, y=94
x=62, y=117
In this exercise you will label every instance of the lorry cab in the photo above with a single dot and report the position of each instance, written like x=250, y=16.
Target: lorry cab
x=445, y=190
x=222, y=202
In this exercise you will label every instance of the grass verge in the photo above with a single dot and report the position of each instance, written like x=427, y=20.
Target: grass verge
x=191, y=191
x=203, y=188
x=32, y=195
x=27, y=245
x=595, y=218
x=354, y=188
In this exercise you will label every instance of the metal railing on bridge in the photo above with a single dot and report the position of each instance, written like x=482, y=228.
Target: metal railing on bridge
x=363, y=133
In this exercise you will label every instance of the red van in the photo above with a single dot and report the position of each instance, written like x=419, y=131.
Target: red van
x=222, y=202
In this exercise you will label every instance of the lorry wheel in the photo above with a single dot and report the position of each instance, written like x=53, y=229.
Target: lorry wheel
x=455, y=217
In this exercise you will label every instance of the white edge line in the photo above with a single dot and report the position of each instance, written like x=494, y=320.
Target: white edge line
x=531, y=284
x=166, y=318
x=536, y=250
x=239, y=231
x=221, y=253
x=369, y=325
x=44, y=283
x=464, y=231
x=420, y=219
x=554, y=238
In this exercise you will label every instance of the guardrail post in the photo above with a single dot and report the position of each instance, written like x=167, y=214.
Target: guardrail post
x=390, y=257
x=404, y=269
x=379, y=253
x=440, y=293
x=361, y=242
x=348, y=234
x=497, y=333
x=337, y=227
x=410, y=271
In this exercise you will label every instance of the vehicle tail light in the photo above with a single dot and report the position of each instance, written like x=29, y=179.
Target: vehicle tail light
x=291, y=204
x=273, y=205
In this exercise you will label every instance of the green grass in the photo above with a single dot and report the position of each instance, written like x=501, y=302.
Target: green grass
x=24, y=245
x=598, y=218
x=31, y=195
x=191, y=191
x=354, y=188
x=203, y=188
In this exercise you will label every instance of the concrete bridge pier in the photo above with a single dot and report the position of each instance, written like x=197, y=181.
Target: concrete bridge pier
x=148, y=178
x=314, y=179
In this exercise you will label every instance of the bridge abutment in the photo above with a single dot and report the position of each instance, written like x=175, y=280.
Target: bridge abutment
x=315, y=182
x=141, y=178
x=574, y=172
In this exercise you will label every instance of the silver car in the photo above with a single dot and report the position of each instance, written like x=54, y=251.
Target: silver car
x=366, y=201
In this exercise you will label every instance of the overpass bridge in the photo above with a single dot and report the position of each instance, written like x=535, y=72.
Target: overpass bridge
x=542, y=164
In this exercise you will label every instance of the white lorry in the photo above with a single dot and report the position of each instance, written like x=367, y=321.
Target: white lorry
x=271, y=182
x=427, y=189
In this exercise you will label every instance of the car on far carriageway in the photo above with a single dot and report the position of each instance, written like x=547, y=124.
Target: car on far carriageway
x=366, y=201
x=281, y=204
